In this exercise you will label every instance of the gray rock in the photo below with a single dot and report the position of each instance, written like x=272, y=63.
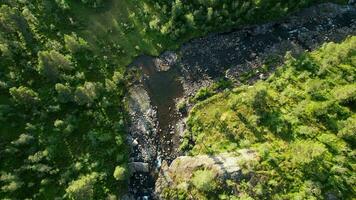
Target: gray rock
x=165, y=61
x=134, y=142
x=135, y=167
x=225, y=165
x=127, y=197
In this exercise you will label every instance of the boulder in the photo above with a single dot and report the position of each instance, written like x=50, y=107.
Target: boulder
x=140, y=167
x=226, y=166
x=165, y=61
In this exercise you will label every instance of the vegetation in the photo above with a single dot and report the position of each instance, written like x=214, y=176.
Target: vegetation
x=63, y=80
x=203, y=180
x=301, y=121
x=61, y=111
x=119, y=173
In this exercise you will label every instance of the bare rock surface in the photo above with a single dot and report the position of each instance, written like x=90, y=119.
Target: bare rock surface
x=135, y=167
x=225, y=165
x=165, y=61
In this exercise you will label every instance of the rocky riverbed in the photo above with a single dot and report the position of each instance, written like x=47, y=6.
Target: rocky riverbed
x=156, y=124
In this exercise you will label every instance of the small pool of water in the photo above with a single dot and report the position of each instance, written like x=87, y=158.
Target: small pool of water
x=164, y=88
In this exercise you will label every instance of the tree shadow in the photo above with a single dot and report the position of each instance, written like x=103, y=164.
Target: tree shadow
x=270, y=115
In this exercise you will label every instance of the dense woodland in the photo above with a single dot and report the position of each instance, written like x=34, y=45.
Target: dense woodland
x=63, y=79
x=301, y=121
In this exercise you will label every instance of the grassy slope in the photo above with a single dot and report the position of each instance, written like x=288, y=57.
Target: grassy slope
x=301, y=120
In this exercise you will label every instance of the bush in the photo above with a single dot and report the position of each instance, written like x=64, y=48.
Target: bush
x=120, y=173
x=82, y=188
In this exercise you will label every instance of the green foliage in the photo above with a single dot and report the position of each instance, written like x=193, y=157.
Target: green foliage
x=182, y=105
x=348, y=129
x=120, y=173
x=83, y=188
x=203, y=94
x=86, y=94
x=24, y=95
x=64, y=93
x=51, y=63
x=93, y=3
x=55, y=113
x=301, y=121
x=204, y=181
x=11, y=183
x=75, y=44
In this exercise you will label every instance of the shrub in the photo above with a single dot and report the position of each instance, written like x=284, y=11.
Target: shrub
x=83, y=187
x=120, y=173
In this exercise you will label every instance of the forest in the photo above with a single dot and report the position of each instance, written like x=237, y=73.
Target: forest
x=64, y=79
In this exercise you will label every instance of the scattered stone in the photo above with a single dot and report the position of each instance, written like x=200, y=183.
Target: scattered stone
x=134, y=142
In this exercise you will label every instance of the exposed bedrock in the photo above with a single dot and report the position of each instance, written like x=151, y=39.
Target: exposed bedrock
x=224, y=166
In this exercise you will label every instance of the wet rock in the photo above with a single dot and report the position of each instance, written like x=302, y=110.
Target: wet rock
x=135, y=167
x=165, y=61
x=134, y=142
x=261, y=76
x=127, y=197
x=142, y=141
